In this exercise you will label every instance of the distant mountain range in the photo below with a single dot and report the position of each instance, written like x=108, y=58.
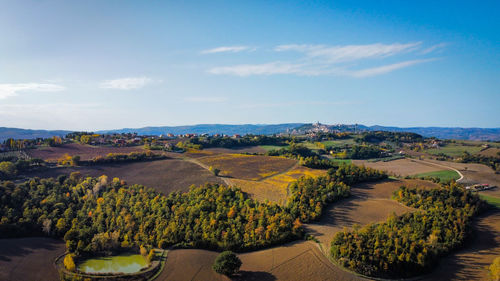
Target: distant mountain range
x=484, y=134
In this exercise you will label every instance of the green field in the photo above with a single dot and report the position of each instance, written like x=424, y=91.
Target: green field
x=341, y=161
x=272, y=147
x=454, y=150
x=495, y=201
x=444, y=175
x=338, y=143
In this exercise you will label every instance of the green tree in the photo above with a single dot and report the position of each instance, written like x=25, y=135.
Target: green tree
x=227, y=263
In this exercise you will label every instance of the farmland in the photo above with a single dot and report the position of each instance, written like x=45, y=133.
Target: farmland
x=164, y=175
x=86, y=152
x=443, y=175
x=400, y=167
x=268, y=179
x=247, y=167
x=275, y=188
x=455, y=150
x=27, y=259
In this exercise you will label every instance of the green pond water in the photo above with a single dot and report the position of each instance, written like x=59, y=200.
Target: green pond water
x=127, y=263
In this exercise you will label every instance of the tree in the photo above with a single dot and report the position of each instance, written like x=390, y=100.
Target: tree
x=69, y=263
x=214, y=170
x=7, y=170
x=495, y=269
x=227, y=263
x=143, y=251
x=151, y=256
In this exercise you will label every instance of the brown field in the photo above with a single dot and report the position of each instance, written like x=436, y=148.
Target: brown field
x=400, y=167
x=369, y=203
x=299, y=260
x=245, y=149
x=163, y=175
x=247, y=167
x=491, y=152
x=479, y=252
x=190, y=264
x=86, y=152
x=29, y=259
x=275, y=188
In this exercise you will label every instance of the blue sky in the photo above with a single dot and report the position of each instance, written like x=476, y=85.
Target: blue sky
x=90, y=65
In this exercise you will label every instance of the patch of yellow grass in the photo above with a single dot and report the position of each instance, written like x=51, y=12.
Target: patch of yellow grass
x=275, y=189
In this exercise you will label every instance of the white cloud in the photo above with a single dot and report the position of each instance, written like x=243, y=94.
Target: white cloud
x=257, y=69
x=431, y=49
x=385, y=69
x=228, y=49
x=10, y=90
x=205, y=99
x=350, y=52
x=332, y=60
x=128, y=83
x=296, y=103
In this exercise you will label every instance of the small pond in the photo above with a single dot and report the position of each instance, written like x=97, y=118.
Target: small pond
x=126, y=263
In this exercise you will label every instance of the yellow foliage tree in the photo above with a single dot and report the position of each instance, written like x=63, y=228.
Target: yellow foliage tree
x=69, y=263
x=495, y=269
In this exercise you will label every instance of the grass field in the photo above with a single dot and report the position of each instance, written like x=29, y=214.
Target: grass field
x=247, y=167
x=494, y=201
x=338, y=143
x=443, y=175
x=341, y=161
x=454, y=150
x=272, y=147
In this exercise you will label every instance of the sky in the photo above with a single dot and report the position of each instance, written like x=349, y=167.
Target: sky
x=94, y=65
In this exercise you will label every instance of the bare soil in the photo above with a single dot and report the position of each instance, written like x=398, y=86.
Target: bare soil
x=28, y=259
x=86, y=152
x=479, y=252
x=400, y=167
x=163, y=175
x=247, y=167
x=190, y=264
x=369, y=203
x=245, y=149
x=491, y=152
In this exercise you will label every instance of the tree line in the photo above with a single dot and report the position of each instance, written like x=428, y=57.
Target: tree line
x=101, y=215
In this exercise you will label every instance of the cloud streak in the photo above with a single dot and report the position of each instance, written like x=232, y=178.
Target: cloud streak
x=227, y=49
x=205, y=99
x=386, y=68
x=335, y=54
x=127, y=83
x=10, y=90
x=316, y=60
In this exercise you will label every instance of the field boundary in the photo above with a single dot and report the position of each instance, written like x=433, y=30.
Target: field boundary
x=442, y=166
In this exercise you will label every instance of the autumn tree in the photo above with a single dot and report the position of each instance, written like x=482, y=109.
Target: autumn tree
x=227, y=263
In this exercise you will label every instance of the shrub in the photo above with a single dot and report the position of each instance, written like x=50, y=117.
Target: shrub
x=215, y=171
x=143, y=251
x=227, y=263
x=7, y=170
x=495, y=269
x=69, y=263
x=151, y=256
